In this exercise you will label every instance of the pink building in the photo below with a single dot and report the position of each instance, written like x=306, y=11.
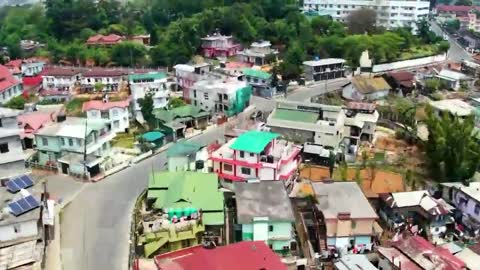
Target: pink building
x=219, y=45
x=31, y=123
x=256, y=155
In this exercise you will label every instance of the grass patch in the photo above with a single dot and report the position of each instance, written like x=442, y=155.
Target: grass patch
x=74, y=106
x=419, y=51
x=379, y=156
x=123, y=140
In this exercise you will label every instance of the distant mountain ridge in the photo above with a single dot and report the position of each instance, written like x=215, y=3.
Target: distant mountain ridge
x=18, y=2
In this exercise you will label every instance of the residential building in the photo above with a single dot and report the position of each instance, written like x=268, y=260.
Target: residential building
x=324, y=69
x=177, y=121
x=452, y=79
x=453, y=107
x=114, y=112
x=419, y=211
x=187, y=156
x=349, y=218
x=32, y=122
x=61, y=79
x=416, y=253
x=325, y=128
x=390, y=14
x=12, y=159
x=180, y=207
x=467, y=15
x=103, y=80
x=187, y=75
x=260, y=81
x=354, y=262
x=246, y=255
x=10, y=87
x=258, y=53
x=466, y=198
x=363, y=88
x=256, y=155
x=76, y=146
x=471, y=256
x=218, y=45
x=220, y=95
x=153, y=83
x=30, y=45
x=265, y=214
x=25, y=67
x=402, y=82
x=101, y=40
x=21, y=227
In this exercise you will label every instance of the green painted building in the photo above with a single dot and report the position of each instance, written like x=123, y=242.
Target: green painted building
x=174, y=121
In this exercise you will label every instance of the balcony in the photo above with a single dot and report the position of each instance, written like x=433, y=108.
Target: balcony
x=99, y=141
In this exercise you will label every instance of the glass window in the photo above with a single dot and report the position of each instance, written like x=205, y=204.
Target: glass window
x=242, y=154
x=4, y=148
x=227, y=167
x=70, y=141
x=246, y=171
x=477, y=209
x=270, y=228
x=62, y=141
x=44, y=141
x=205, y=96
x=115, y=112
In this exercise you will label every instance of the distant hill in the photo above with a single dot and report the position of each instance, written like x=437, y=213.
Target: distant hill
x=18, y=2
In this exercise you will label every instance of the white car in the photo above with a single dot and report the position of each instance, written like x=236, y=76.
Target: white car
x=445, y=37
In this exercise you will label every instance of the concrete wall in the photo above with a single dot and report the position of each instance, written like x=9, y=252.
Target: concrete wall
x=52, y=143
x=469, y=207
x=23, y=229
x=176, y=164
x=13, y=168
x=251, y=175
x=265, y=230
x=119, y=118
x=248, y=157
x=349, y=227
x=294, y=134
x=266, y=174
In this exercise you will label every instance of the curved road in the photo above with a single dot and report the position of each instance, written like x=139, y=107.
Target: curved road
x=95, y=225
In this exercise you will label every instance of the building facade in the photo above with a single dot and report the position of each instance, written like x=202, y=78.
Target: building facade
x=12, y=159
x=265, y=214
x=324, y=69
x=366, y=89
x=258, y=53
x=187, y=75
x=256, y=155
x=10, y=87
x=75, y=146
x=218, y=45
x=467, y=200
x=260, y=81
x=390, y=14
x=153, y=83
x=109, y=80
x=115, y=112
x=216, y=95
x=61, y=79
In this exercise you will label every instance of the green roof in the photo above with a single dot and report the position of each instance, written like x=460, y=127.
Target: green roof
x=186, y=189
x=152, y=136
x=146, y=76
x=253, y=141
x=179, y=113
x=296, y=116
x=183, y=148
x=215, y=218
x=256, y=73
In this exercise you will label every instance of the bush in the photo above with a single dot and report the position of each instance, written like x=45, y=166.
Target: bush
x=17, y=103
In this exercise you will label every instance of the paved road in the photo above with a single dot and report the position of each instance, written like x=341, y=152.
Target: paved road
x=456, y=52
x=304, y=93
x=95, y=226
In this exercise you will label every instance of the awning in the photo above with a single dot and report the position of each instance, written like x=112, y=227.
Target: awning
x=152, y=136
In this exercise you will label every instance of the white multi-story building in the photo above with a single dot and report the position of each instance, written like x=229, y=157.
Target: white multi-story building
x=325, y=127
x=116, y=112
x=110, y=80
x=61, y=79
x=12, y=159
x=153, y=83
x=390, y=14
x=257, y=53
x=10, y=86
x=215, y=95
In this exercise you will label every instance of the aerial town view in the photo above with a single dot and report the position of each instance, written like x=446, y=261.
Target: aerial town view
x=239, y=135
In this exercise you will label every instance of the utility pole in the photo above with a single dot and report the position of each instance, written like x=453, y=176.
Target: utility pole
x=85, y=148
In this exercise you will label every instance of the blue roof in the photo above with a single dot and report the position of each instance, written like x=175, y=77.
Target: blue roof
x=153, y=136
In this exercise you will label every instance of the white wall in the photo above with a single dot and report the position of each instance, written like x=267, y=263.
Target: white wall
x=10, y=93
x=158, y=88
x=247, y=157
x=24, y=229
x=58, y=82
x=251, y=175
x=266, y=174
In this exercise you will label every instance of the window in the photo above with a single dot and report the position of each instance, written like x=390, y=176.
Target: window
x=354, y=224
x=246, y=171
x=227, y=167
x=270, y=228
x=62, y=140
x=242, y=154
x=70, y=141
x=205, y=96
x=252, y=154
x=93, y=113
x=477, y=209
x=4, y=148
x=16, y=228
x=116, y=124
x=195, y=102
x=1, y=125
x=44, y=141
x=104, y=146
x=115, y=112
x=194, y=93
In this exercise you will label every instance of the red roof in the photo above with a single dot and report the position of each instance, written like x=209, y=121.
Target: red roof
x=425, y=253
x=103, y=106
x=33, y=121
x=361, y=106
x=14, y=63
x=54, y=71
x=32, y=81
x=452, y=8
x=246, y=255
x=101, y=39
x=104, y=73
x=7, y=80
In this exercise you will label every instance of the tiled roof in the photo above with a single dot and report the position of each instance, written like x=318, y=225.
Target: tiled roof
x=453, y=8
x=34, y=119
x=53, y=71
x=367, y=85
x=245, y=255
x=103, y=106
x=6, y=79
x=14, y=63
x=104, y=73
x=402, y=76
x=101, y=39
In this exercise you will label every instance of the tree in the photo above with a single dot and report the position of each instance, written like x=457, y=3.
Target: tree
x=362, y=21
x=146, y=107
x=17, y=103
x=358, y=177
x=372, y=168
x=175, y=102
x=290, y=67
x=364, y=159
x=99, y=87
x=343, y=170
x=452, y=25
x=463, y=3
x=432, y=85
x=128, y=53
x=452, y=152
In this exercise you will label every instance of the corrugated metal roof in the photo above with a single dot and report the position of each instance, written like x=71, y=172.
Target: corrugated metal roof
x=294, y=115
x=253, y=141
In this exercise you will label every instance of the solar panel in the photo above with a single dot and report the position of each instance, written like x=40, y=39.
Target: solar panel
x=23, y=205
x=17, y=183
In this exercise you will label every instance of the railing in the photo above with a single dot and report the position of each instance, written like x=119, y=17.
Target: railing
x=36, y=165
